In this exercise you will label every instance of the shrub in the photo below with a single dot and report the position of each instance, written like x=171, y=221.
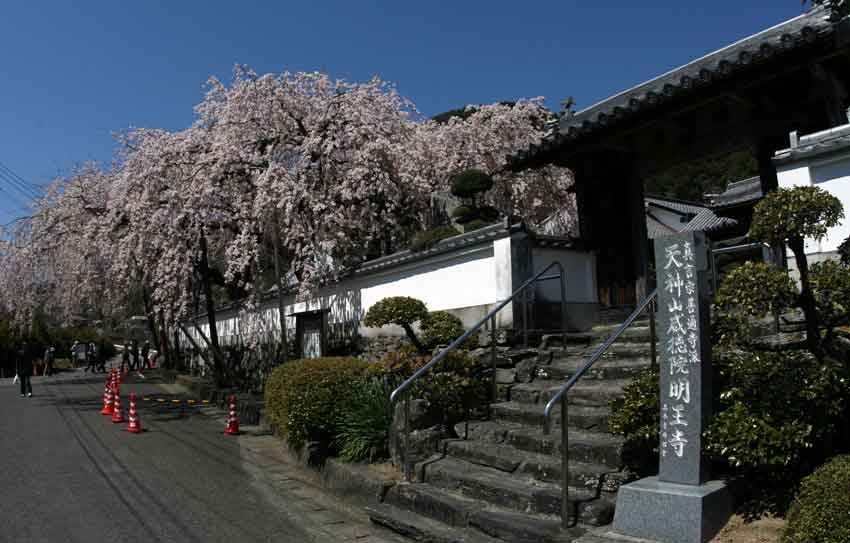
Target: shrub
x=821, y=512
x=477, y=224
x=440, y=328
x=790, y=216
x=753, y=289
x=464, y=214
x=635, y=416
x=831, y=288
x=400, y=310
x=781, y=414
x=455, y=386
x=844, y=251
x=307, y=399
x=365, y=429
x=468, y=183
x=488, y=214
x=425, y=240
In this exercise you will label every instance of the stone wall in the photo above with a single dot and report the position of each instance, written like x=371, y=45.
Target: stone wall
x=375, y=348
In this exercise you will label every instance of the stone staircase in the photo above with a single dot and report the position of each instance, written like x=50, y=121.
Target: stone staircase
x=502, y=482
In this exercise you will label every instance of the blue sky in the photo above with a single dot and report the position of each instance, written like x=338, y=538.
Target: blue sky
x=73, y=73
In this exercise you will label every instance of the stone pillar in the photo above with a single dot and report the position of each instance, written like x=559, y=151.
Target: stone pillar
x=680, y=505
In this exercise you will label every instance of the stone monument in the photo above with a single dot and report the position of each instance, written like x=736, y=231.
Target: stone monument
x=680, y=505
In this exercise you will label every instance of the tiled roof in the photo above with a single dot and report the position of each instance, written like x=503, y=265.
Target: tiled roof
x=739, y=56
x=708, y=221
x=816, y=144
x=739, y=192
x=679, y=206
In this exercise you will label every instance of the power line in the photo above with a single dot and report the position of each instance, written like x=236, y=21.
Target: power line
x=23, y=181
x=21, y=186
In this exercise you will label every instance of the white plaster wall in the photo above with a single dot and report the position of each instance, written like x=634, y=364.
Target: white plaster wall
x=832, y=176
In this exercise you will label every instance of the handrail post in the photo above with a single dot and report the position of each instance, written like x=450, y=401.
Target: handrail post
x=565, y=466
x=563, y=281
x=493, y=356
x=406, y=453
x=525, y=298
x=652, y=336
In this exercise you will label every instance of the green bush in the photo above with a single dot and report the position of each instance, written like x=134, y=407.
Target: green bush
x=844, y=251
x=307, y=399
x=780, y=414
x=364, y=435
x=400, y=310
x=635, y=416
x=464, y=214
x=454, y=386
x=468, y=183
x=797, y=213
x=821, y=512
x=440, y=328
x=753, y=289
x=477, y=224
x=831, y=287
x=425, y=240
x=488, y=214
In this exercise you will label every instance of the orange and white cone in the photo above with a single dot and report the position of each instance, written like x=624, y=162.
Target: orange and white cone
x=134, y=423
x=232, y=427
x=107, y=399
x=117, y=415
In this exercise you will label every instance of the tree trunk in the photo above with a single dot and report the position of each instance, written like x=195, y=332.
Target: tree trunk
x=206, y=283
x=413, y=339
x=807, y=299
x=280, y=304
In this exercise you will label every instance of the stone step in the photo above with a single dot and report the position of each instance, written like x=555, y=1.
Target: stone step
x=542, y=467
x=579, y=416
x=461, y=512
x=590, y=392
x=521, y=494
x=585, y=446
x=422, y=529
x=618, y=350
x=604, y=368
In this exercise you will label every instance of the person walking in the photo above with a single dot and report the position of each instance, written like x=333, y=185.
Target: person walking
x=23, y=369
x=78, y=351
x=91, y=357
x=49, y=355
x=134, y=352
x=125, y=357
x=146, y=350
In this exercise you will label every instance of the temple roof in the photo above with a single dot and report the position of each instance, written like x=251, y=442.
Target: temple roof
x=819, y=143
x=723, y=63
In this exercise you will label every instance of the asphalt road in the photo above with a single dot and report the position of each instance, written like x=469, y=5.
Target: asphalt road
x=68, y=474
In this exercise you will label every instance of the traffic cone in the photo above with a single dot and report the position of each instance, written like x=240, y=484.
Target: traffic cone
x=232, y=427
x=134, y=423
x=117, y=416
x=107, y=400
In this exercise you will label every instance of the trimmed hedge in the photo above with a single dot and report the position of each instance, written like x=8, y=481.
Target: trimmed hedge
x=400, y=310
x=464, y=214
x=307, y=399
x=821, y=512
x=468, y=183
x=426, y=240
x=455, y=386
x=440, y=328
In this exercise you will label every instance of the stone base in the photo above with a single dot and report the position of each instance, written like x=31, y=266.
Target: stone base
x=672, y=513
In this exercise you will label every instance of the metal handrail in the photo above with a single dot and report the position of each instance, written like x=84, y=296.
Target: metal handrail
x=561, y=396
x=491, y=316
x=459, y=341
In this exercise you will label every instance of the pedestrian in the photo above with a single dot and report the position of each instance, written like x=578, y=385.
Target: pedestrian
x=78, y=351
x=23, y=369
x=134, y=352
x=125, y=357
x=49, y=355
x=91, y=357
x=146, y=349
